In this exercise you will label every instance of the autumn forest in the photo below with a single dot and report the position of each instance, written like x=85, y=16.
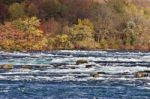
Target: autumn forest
x=35, y=25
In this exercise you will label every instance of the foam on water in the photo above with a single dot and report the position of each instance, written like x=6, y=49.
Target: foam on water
x=121, y=69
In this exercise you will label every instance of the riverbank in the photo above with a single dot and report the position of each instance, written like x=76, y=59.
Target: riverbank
x=54, y=50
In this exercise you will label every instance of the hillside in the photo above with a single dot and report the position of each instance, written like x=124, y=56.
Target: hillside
x=138, y=2
x=27, y=25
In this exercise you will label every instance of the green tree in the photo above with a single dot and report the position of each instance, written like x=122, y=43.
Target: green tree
x=82, y=30
x=63, y=42
x=130, y=34
x=82, y=33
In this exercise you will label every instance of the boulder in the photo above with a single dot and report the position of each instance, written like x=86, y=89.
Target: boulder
x=95, y=75
x=78, y=62
x=146, y=71
x=26, y=67
x=73, y=67
x=56, y=65
x=101, y=73
x=141, y=74
x=6, y=66
x=88, y=66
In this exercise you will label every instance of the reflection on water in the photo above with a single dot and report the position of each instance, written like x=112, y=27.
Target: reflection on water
x=56, y=75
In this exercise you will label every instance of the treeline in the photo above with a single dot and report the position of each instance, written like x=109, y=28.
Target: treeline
x=27, y=25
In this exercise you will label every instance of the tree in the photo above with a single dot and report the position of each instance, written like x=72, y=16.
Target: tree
x=46, y=9
x=3, y=12
x=22, y=34
x=34, y=37
x=82, y=30
x=141, y=17
x=51, y=27
x=63, y=42
x=16, y=10
x=82, y=33
x=130, y=34
x=9, y=2
x=77, y=9
x=118, y=6
x=11, y=38
x=32, y=9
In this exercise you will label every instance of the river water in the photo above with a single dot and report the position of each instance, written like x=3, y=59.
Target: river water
x=55, y=75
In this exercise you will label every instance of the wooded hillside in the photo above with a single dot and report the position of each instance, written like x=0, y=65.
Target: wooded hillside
x=74, y=24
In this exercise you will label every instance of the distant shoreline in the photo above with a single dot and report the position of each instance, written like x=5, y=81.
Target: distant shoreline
x=108, y=50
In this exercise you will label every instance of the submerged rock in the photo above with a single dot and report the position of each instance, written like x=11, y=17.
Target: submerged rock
x=57, y=65
x=147, y=71
x=34, y=67
x=6, y=66
x=78, y=62
x=73, y=67
x=26, y=67
x=88, y=66
x=141, y=74
x=101, y=73
x=96, y=75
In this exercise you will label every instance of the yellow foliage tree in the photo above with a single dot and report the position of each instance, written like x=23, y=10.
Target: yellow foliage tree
x=23, y=34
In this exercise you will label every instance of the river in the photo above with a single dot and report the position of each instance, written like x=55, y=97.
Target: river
x=56, y=75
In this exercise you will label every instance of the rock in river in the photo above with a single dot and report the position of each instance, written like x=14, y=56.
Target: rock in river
x=141, y=74
x=73, y=67
x=6, y=66
x=88, y=66
x=26, y=67
x=95, y=75
x=78, y=62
